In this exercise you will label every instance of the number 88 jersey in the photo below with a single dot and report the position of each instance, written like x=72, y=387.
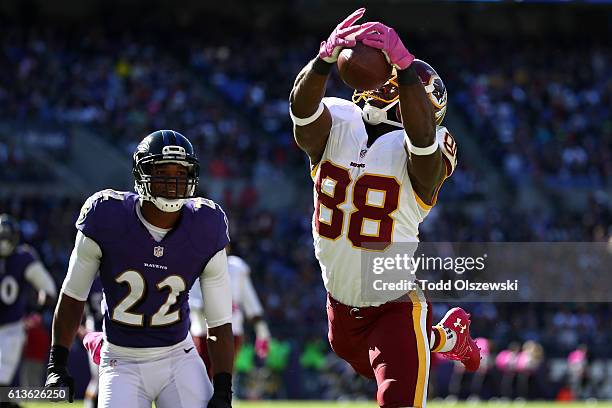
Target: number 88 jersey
x=363, y=198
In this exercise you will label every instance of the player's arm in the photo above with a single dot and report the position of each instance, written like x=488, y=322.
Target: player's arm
x=82, y=268
x=38, y=276
x=217, y=294
x=254, y=312
x=311, y=118
x=426, y=166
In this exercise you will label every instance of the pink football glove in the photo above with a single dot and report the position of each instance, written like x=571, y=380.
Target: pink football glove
x=262, y=339
x=93, y=344
x=262, y=346
x=344, y=36
x=386, y=39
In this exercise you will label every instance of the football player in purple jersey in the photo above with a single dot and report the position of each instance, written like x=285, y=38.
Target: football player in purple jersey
x=19, y=266
x=150, y=247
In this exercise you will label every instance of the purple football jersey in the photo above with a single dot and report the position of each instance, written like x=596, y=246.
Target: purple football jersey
x=146, y=283
x=12, y=283
x=94, y=304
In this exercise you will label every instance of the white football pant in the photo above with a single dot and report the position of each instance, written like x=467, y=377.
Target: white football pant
x=177, y=379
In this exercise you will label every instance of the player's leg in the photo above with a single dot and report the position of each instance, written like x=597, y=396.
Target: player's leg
x=399, y=353
x=188, y=386
x=122, y=384
x=12, y=338
x=346, y=339
x=441, y=339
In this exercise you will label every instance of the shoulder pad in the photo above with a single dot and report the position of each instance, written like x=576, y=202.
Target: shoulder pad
x=342, y=110
x=27, y=251
x=199, y=202
x=96, y=207
x=100, y=196
x=209, y=218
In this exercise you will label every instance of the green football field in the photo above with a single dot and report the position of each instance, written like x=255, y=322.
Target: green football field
x=322, y=404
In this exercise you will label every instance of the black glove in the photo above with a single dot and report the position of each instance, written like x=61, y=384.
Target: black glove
x=57, y=372
x=222, y=396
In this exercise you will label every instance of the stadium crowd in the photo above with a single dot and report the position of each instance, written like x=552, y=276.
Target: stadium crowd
x=540, y=116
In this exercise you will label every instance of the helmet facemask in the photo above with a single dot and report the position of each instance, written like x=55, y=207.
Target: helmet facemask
x=378, y=102
x=168, y=193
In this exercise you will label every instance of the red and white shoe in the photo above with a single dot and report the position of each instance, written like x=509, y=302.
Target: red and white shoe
x=465, y=349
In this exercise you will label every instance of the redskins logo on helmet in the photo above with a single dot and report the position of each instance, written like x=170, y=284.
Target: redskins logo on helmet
x=379, y=101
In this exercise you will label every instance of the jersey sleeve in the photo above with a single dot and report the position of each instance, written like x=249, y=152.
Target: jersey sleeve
x=250, y=301
x=448, y=147
x=82, y=268
x=217, y=291
x=40, y=278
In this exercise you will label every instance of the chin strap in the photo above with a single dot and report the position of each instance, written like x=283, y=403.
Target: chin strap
x=168, y=205
x=376, y=116
x=163, y=204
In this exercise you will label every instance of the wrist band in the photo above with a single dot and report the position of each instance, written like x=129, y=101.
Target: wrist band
x=408, y=76
x=420, y=151
x=58, y=355
x=308, y=120
x=321, y=67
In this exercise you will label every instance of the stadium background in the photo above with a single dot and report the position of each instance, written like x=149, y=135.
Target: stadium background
x=530, y=94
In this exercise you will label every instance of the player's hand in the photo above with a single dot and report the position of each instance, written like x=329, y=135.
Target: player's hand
x=262, y=347
x=93, y=344
x=57, y=376
x=386, y=39
x=344, y=36
x=57, y=372
x=222, y=395
x=219, y=402
x=262, y=339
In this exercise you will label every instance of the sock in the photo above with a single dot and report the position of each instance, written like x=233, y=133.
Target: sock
x=442, y=339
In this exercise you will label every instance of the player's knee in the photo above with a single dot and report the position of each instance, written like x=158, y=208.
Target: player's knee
x=393, y=394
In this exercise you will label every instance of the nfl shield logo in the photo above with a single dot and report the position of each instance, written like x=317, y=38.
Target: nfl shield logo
x=158, y=251
x=362, y=153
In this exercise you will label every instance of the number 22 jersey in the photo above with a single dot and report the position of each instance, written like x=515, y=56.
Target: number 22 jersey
x=145, y=282
x=363, y=197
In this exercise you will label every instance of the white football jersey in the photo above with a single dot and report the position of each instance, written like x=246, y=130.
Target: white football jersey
x=244, y=298
x=363, y=195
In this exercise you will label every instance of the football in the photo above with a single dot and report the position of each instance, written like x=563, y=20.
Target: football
x=363, y=68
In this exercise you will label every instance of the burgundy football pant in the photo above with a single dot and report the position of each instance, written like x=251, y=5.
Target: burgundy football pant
x=389, y=343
